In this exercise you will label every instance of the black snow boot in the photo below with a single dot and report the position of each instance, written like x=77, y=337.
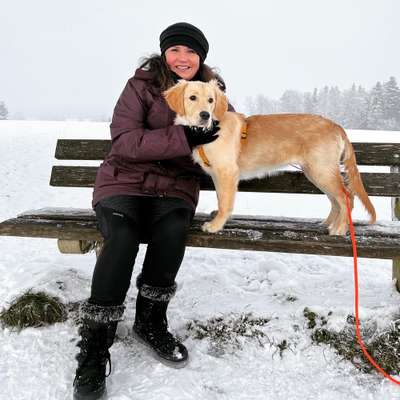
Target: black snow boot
x=97, y=330
x=151, y=326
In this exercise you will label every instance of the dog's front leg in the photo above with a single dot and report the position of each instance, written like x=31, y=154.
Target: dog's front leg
x=225, y=182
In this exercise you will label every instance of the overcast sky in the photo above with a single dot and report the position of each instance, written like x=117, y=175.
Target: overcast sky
x=72, y=58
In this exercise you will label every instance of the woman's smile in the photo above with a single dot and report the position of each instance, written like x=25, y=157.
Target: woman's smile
x=182, y=60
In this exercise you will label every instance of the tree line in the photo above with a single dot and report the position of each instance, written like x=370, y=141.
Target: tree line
x=353, y=108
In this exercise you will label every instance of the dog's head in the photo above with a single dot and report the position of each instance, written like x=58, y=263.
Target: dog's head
x=197, y=103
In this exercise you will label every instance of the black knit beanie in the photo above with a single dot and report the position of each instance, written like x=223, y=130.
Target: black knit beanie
x=184, y=34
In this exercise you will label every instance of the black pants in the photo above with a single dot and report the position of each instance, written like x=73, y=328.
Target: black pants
x=165, y=234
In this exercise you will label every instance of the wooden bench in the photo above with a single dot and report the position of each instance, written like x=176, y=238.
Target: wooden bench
x=77, y=232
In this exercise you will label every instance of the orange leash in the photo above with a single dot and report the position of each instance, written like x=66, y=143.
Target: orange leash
x=358, y=334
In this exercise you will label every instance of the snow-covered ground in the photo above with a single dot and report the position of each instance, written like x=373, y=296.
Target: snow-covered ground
x=39, y=363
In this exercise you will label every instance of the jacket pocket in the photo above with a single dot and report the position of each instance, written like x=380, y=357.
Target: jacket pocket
x=118, y=175
x=107, y=170
x=125, y=176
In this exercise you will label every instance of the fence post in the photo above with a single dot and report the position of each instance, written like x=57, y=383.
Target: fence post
x=396, y=217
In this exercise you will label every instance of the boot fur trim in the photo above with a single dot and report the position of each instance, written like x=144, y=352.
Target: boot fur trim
x=104, y=314
x=155, y=293
x=158, y=293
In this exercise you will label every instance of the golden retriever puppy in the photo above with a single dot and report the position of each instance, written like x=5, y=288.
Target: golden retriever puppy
x=311, y=142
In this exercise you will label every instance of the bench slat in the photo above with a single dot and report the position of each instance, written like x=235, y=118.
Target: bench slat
x=287, y=235
x=376, y=184
x=366, y=153
x=79, y=149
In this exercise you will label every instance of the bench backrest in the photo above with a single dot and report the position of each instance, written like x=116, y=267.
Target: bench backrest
x=376, y=184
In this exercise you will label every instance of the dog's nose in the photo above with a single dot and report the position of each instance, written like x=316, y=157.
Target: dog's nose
x=204, y=115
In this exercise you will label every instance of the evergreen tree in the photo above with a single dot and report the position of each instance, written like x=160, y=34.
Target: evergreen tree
x=376, y=108
x=264, y=105
x=355, y=103
x=350, y=115
x=335, y=104
x=3, y=111
x=323, y=101
x=311, y=102
x=314, y=100
x=292, y=101
x=260, y=105
x=391, y=97
x=361, y=108
x=354, y=108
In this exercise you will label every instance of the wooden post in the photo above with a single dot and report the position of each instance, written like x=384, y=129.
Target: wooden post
x=396, y=217
x=75, y=246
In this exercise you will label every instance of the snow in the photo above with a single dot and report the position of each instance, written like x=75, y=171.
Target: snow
x=39, y=363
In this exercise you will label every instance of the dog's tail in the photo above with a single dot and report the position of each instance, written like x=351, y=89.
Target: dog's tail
x=354, y=182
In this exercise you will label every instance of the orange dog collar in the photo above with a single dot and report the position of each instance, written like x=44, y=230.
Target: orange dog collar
x=203, y=156
x=244, y=131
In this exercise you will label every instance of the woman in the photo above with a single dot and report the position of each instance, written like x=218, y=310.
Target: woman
x=146, y=189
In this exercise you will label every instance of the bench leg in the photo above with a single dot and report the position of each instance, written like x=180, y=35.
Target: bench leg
x=396, y=272
x=396, y=217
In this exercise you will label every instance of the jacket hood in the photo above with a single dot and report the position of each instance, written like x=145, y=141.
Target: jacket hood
x=143, y=74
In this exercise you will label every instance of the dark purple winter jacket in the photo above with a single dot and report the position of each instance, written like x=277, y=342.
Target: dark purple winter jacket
x=149, y=155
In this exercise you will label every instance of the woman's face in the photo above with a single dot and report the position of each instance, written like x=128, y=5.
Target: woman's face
x=182, y=60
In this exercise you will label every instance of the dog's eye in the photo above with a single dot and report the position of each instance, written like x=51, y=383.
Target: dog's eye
x=211, y=100
x=193, y=97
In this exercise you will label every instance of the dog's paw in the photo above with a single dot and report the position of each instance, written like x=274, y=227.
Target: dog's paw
x=210, y=227
x=335, y=231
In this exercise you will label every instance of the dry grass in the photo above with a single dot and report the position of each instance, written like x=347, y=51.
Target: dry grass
x=383, y=346
x=33, y=310
x=226, y=332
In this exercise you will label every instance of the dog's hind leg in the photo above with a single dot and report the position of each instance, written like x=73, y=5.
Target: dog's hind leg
x=330, y=182
x=334, y=205
x=334, y=211
x=225, y=182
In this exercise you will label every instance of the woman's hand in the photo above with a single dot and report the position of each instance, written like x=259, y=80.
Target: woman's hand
x=196, y=135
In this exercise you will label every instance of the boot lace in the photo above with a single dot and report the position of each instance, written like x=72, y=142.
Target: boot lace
x=92, y=362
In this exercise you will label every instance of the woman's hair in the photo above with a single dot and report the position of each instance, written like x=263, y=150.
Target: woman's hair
x=163, y=78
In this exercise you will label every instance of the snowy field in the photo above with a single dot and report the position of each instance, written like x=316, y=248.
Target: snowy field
x=39, y=363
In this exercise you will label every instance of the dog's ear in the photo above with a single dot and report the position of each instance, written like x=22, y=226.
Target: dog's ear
x=221, y=102
x=174, y=97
